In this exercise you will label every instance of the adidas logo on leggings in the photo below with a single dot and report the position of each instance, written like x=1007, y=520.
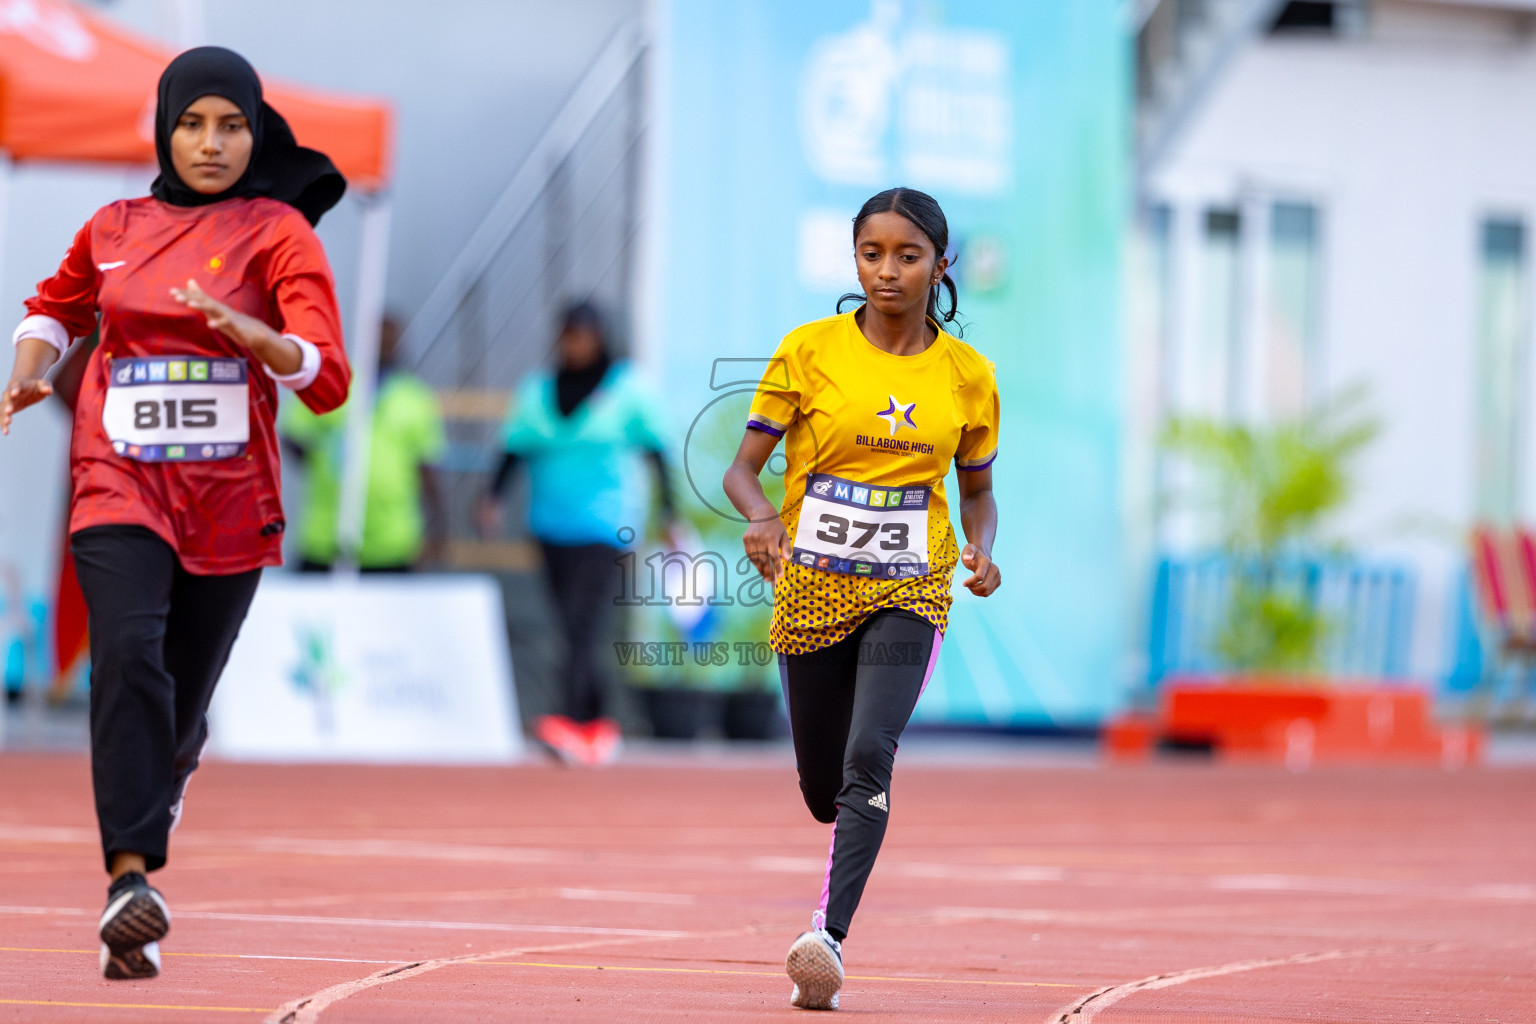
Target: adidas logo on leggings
x=879, y=801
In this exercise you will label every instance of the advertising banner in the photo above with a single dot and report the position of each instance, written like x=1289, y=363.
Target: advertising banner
x=397, y=669
x=774, y=121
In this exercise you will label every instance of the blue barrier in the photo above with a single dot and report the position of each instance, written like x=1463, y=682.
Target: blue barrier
x=1369, y=608
x=1469, y=659
x=25, y=653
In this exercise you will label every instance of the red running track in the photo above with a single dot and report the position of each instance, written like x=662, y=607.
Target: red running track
x=1188, y=893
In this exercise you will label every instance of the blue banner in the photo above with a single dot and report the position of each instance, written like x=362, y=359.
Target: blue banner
x=775, y=120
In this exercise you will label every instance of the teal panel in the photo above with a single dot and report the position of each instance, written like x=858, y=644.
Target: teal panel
x=780, y=118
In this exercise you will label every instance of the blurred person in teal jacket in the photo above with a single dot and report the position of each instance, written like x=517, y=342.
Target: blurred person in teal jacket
x=581, y=432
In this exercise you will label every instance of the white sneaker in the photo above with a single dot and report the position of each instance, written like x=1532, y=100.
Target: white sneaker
x=815, y=965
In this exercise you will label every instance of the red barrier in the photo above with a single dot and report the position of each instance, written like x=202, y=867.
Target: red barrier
x=1298, y=726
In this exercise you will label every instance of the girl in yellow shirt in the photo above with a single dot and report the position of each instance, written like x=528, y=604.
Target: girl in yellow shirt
x=873, y=406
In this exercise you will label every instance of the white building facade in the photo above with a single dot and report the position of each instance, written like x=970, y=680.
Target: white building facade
x=1351, y=203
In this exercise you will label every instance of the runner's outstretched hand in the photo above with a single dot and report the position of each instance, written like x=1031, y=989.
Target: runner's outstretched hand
x=281, y=354
x=20, y=393
x=984, y=577
x=769, y=547
x=244, y=330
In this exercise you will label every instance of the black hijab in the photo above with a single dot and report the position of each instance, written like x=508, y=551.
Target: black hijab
x=280, y=168
x=573, y=387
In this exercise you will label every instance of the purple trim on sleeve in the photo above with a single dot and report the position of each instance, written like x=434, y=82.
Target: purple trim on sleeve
x=981, y=465
x=765, y=428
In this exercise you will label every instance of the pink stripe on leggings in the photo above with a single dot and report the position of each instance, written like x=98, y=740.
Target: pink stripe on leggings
x=933, y=661
x=820, y=918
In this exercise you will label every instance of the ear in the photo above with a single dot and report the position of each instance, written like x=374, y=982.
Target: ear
x=940, y=268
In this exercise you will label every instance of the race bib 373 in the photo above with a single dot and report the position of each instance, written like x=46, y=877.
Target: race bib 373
x=863, y=529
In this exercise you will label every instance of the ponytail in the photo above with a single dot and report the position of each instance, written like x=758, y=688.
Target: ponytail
x=939, y=316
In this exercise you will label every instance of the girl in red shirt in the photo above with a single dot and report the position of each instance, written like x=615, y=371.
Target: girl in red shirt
x=211, y=292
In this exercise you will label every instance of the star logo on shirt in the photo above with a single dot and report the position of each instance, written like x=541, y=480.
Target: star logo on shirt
x=898, y=415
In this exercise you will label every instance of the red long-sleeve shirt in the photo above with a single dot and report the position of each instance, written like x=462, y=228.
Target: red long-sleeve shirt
x=258, y=256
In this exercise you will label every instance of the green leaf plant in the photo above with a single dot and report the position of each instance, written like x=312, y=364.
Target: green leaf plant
x=1269, y=490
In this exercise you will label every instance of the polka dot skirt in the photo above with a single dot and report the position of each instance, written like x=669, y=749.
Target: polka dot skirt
x=813, y=608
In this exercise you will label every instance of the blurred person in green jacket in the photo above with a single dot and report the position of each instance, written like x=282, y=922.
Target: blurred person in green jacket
x=403, y=521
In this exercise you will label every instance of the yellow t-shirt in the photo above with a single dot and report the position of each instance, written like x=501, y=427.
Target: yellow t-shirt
x=869, y=437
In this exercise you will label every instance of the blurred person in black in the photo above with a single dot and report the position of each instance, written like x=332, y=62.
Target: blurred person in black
x=578, y=430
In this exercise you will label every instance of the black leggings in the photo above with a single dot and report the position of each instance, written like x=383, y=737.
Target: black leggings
x=848, y=704
x=584, y=580
x=159, y=639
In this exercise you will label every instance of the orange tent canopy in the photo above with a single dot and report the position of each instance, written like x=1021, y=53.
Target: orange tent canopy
x=74, y=87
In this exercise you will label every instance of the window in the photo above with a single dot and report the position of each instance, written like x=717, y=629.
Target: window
x=1212, y=378
x=1320, y=17
x=1503, y=338
x=1153, y=306
x=1293, y=370
x=1306, y=15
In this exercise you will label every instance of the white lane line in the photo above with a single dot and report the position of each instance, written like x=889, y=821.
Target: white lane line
x=48, y=834
x=1370, y=887
x=980, y=872
x=470, y=853
x=788, y=865
x=458, y=926
x=223, y=956
x=421, y=850
x=1090, y=1006
x=446, y=896
x=1117, y=915
x=404, y=849
x=343, y=899
x=307, y=959
x=371, y=922
x=307, y=1009
x=919, y=869
x=619, y=896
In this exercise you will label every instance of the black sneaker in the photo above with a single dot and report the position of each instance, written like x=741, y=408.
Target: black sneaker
x=135, y=921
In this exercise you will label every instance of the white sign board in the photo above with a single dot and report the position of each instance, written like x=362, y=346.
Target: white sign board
x=381, y=669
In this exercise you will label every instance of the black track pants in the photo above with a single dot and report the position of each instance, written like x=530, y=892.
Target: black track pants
x=584, y=580
x=848, y=704
x=159, y=639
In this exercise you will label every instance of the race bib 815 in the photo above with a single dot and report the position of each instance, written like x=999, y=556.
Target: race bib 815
x=177, y=409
